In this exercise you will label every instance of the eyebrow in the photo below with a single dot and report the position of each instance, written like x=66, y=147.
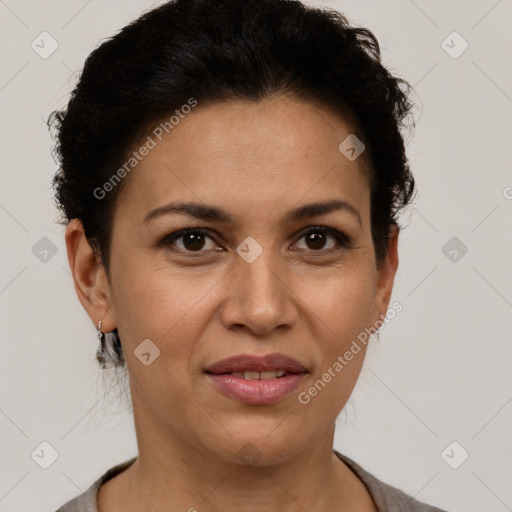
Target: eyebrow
x=207, y=212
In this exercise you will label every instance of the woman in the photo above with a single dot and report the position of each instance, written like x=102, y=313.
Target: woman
x=231, y=174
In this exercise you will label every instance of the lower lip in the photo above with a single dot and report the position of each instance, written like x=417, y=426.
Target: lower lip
x=257, y=391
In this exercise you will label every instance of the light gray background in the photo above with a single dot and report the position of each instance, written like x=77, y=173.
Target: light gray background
x=442, y=369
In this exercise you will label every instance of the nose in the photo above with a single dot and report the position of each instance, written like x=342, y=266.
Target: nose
x=260, y=296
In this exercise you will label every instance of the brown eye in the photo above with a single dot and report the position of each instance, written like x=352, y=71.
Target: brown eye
x=317, y=237
x=192, y=240
x=316, y=240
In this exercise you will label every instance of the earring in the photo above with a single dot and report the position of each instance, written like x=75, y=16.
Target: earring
x=381, y=318
x=100, y=354
x=377, y=332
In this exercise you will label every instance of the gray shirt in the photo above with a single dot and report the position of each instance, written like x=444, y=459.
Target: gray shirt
x=386, y=498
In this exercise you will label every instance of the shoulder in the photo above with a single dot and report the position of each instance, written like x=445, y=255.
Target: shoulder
x=386, y=497
x=87, y=501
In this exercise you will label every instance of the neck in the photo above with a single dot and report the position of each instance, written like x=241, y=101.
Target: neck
x=173, y=476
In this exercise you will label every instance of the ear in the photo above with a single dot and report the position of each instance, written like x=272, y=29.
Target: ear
x=386, y=275
x=89, y=276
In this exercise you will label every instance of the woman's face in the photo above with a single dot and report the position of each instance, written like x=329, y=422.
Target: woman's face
x=255, y=284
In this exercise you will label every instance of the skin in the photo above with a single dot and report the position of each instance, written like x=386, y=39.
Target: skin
x=257, y=161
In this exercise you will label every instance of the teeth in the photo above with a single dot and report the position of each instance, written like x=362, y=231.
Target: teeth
x=259, y=375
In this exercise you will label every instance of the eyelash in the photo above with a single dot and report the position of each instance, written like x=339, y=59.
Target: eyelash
x=343, y=240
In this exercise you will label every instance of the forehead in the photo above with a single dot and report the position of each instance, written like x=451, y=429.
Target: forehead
x=247, y=157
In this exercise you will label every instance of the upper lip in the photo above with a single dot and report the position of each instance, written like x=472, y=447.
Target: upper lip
x=248, y=363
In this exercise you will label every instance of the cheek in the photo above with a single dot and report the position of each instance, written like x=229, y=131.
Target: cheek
x=158, y=302
x=164, y=305
x=341, y=300
x=171, y=310
x=341, y=306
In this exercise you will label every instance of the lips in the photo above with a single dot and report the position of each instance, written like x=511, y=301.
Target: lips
x=257, y=380
x=250, y=363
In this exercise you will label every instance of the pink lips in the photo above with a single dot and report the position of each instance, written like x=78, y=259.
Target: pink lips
x=257, y=391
